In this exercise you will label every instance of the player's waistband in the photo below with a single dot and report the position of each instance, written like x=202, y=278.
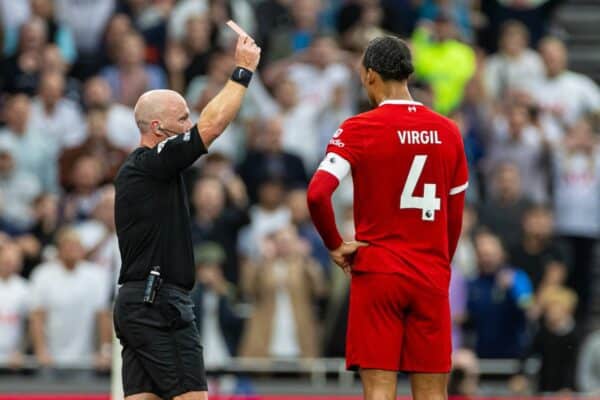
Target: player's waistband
x=164, y=287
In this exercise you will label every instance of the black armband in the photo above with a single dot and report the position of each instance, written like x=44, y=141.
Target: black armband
x=242, y=76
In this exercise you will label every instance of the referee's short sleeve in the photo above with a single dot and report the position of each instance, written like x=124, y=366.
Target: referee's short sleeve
x=173, y=155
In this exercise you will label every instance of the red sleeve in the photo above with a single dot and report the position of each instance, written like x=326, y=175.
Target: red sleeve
x=456, y=204
x=319, y=193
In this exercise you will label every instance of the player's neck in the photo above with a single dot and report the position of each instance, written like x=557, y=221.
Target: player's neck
x=395, y=91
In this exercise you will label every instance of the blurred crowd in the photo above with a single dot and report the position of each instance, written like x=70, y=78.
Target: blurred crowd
x=72, y=70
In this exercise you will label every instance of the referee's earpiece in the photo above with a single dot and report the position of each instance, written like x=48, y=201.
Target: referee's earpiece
x=165, y=132
x=160, y=129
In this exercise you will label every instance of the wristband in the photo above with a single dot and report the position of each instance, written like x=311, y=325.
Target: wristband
x=242, y=76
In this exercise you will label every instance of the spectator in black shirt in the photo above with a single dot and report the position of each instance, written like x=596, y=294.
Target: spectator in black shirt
x=162, y=355
x=270, y=161
x=556, y=342
x=215, y=222
x=21, y=71
x=537, y=249
x=503, y=212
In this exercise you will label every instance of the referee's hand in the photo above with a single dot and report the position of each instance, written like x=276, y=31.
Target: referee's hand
x=343, y=256
x=247, y=53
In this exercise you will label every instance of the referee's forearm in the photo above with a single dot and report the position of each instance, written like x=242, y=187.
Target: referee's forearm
x=220, y=111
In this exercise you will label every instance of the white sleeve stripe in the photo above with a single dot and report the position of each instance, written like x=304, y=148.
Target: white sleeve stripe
x=336, y=165
x=458, y=189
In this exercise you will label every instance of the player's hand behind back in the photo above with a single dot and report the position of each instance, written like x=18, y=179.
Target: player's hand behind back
x=247, y=53
x=343, y=256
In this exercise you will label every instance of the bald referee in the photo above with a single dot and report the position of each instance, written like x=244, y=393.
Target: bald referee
x=153, y=314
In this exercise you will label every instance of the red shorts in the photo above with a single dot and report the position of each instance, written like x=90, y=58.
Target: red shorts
x=396, y=325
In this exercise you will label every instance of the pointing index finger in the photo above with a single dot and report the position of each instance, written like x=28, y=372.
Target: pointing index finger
x=237, y=29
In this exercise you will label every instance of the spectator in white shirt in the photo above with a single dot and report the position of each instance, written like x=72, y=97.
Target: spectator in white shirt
x=18, y=188
x=267, y=216
x=577, y=203
x=98, y=234
x=70, y=292
x=122, y=130
x=514, y=65
x=87, y=19
x=13, y=13
x=31, y=154
x=565, y=96
x=517, y=141
x=14, y=300
x=58, y=118
x=298, y=124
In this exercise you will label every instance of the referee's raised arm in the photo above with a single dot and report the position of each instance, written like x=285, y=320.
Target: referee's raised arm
x=223, y=108
x=163, y=118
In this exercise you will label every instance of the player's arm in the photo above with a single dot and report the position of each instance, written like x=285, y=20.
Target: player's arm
x=322, y=186
x=456, y=204
x=223, y=108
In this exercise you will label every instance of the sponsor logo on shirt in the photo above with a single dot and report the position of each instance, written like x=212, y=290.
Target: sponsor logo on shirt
x=186, y=136
x=338, y=133
x=337, y=143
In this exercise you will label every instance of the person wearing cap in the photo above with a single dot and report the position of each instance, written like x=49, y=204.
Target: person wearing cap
x=216, y=320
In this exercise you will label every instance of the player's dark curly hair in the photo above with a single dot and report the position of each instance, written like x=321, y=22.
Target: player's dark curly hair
x=390, y=57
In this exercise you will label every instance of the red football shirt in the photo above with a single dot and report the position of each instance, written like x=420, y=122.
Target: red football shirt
x=406, y=161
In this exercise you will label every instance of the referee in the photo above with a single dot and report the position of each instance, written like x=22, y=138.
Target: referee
x=153, y=315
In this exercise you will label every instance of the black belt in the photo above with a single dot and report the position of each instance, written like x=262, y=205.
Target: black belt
x=164, y=286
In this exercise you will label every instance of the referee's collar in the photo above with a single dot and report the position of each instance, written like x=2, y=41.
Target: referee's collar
x=401, y=102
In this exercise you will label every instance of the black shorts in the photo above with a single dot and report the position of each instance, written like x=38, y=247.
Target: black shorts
x=162, y=353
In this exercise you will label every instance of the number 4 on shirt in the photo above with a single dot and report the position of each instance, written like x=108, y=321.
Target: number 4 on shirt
x=428, y=203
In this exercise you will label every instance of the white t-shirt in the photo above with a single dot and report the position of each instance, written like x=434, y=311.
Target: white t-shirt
x=572, y=93
x=92, y=233
x=317, y=86
x=122, y=129
x=502, y=72
x=14, y=301
x=64, y=127
x=17, y=194
x=301, y=136
x=216, y=354
x=71, y=300
x=284, y=336
x=577, y=195
x=183, y=10
x=264, y=222
x=86, y=18
x=14, y=13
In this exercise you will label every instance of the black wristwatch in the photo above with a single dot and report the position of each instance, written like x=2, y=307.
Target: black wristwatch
x=242, y=76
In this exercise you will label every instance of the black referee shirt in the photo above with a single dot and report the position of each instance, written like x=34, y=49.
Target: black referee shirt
x=152, y=213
